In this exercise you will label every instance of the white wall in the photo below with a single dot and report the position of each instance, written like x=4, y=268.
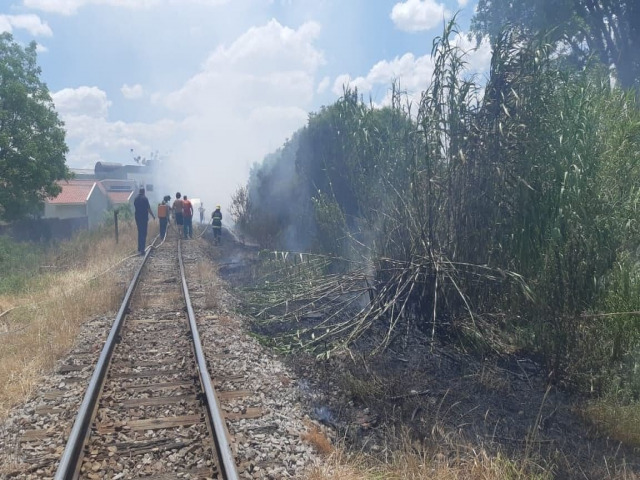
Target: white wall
x=64, y=211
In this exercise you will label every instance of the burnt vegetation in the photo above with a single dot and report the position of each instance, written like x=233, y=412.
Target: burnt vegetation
x=498, y=215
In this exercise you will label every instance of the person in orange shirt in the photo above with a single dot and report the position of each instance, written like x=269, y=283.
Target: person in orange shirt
x=163, y=217
x=187, y=216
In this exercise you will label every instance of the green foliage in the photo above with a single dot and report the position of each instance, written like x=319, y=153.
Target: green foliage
x=608, y=345
x=521, y=203
x=330, y=222
x=32, y=138
x=608, y=29
x=565, y=213
x=125, y=214
x=339, y=165
x=18, y=262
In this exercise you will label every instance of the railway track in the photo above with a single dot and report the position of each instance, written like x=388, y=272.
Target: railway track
x=131, y=433
x=150, y=408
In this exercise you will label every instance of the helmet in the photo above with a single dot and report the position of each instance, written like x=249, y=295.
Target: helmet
x=217, y=206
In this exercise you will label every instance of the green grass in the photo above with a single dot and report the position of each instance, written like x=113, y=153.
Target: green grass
x=18, y=263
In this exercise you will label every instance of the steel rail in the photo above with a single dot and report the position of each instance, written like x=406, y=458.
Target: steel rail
x=68, y=466
x=227, y=463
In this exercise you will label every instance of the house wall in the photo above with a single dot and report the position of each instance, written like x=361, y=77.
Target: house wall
x=97, y=205
x=52, y=210
x=94, y=209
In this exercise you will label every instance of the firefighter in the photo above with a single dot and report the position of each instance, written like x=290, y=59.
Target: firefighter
x=216, y=224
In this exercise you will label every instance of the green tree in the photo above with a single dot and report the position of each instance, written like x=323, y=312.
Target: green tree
x=32, y=138
x=609, y=29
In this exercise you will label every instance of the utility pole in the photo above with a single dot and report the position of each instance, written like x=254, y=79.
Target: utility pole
x=115, y=222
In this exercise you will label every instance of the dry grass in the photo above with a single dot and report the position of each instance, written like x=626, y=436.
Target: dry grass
x=619, y=422
x=315, y=437
x=493, y=381
x=413, y=461
x=35, y=336
x=208, y=276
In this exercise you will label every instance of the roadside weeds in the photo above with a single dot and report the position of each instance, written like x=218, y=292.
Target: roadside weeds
x=55, y=304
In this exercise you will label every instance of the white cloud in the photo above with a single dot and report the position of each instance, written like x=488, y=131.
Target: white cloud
x=248, y=98
x=85, y=110
x=30, y=22
x=93, y=139
x=418, y=15
x=463, y=3
x=268, y=65
x=83, y=101
x=477, y=59
x=132, y=92
x=271, y=47
x=363, y=84
x=70, y=7
x=323, y=85
x=413, y=73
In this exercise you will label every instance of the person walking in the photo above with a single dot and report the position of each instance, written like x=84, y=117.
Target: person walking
x=201, y=209
x=177, y=213
x=187, y=217
x=167, y=201
x=163, y=217
x=216, y=224
x=142, y=212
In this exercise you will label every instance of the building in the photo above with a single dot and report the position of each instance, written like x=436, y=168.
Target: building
x=142, y=175
x=92, y=192
x=120, y=192
x=83, y=173
x=79, y=198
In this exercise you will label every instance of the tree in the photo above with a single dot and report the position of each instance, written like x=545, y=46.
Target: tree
x=32, y=137
x=609, y=29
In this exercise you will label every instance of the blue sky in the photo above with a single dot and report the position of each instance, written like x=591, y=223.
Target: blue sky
x=214, y=85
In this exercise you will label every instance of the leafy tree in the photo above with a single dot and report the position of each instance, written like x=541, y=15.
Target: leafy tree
x=32, y=138
x=610, y=29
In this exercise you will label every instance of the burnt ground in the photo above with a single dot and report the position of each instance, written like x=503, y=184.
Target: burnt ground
x=449, y=400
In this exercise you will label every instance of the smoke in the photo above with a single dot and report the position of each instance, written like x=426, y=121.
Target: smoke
x=248, y=98
x=217, y=90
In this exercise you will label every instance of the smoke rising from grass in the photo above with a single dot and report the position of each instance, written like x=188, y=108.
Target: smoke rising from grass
x=244, y=103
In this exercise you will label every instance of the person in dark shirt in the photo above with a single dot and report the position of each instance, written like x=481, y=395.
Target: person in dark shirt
x=142, y=212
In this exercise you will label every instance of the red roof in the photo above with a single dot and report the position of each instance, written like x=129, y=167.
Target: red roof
x=118, y=198
x=73, y=191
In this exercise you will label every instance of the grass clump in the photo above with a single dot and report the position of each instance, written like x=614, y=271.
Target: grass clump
x=619, y=422
x=48, y=314
x=361, y=390
x=315, y=437
x=415, y=461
